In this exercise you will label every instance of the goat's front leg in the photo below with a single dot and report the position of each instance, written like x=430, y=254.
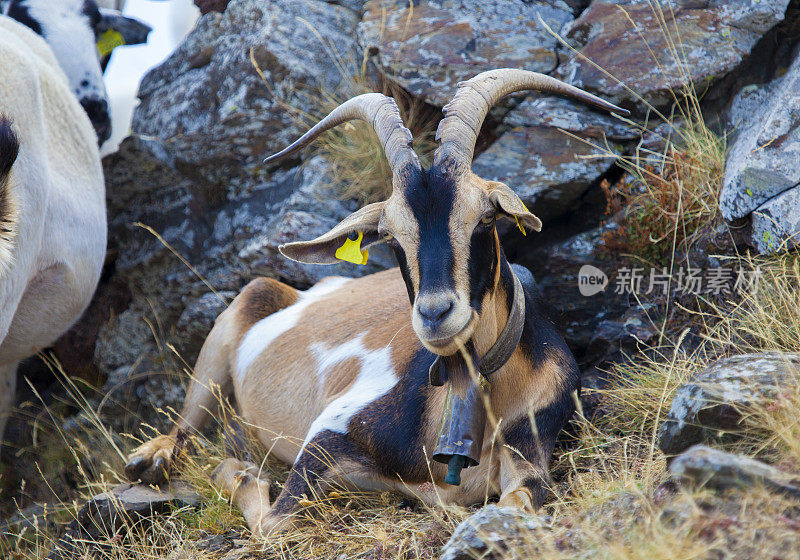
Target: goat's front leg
x=325, y=459
x=249, y=490
x=524, y=462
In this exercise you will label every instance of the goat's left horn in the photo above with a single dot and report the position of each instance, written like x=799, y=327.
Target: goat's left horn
x=381, y=113
x=464, y=115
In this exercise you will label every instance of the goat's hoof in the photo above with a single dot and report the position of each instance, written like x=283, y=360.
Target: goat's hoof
x=233, y=473
x=276, y=523
x=520, y=498
x=150, y=462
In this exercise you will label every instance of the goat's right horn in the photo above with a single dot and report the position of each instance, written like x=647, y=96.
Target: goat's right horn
x=464, y=115
x=381, y=113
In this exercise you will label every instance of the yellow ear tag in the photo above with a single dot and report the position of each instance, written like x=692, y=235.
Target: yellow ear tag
x=108, y=41
x=519, y=225
x=351, y=251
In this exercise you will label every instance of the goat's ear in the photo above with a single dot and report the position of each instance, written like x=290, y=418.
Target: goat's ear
x=114, y=30
x=510, y=205
x=323, y=249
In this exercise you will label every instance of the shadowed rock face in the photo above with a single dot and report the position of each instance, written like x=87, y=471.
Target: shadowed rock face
x=716, y=36
x=548, y=169
x=439, y=43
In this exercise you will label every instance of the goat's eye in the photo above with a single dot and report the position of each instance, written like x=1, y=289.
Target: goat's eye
x=385, y=236
x=488, y=218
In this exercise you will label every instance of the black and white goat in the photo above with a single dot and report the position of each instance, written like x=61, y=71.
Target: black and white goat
x=82, y=36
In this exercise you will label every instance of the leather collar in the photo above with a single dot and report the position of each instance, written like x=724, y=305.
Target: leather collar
x=501, y=350
x=509, y=338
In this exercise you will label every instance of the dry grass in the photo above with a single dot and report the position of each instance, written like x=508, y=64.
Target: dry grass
x=341, y=522
x=674, y=176
x=668, y=200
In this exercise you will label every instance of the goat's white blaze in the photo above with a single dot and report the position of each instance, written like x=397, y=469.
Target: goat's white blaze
x=375, y=378
x=268, y=329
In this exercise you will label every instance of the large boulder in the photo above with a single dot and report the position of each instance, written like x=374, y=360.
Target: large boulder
x=224, y=247
x=714, y=402
x=209, y=106
x=192, y=172
x=429, y=47
x=761, y=174
x=631, y=44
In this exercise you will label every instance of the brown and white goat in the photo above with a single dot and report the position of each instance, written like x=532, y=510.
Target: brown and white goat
x=341, y=368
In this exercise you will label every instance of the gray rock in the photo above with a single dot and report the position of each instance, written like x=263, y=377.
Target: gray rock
x=547, y=168
x=209, y=107
x=775, y=224
x=566, y=114
x=493, y=532
x=356, y=5
x=716, y=37
x=762, y=162
x=98, y=520
x=701, y=465
x=715, y=400
x=429, y=49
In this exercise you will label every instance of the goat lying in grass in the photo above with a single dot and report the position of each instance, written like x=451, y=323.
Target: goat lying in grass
x=341, y=368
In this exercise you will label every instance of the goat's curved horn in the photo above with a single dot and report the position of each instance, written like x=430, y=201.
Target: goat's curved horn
x=464, y=115
x=381, y=113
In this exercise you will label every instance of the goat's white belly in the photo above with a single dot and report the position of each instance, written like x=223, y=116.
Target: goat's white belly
x=291, y=391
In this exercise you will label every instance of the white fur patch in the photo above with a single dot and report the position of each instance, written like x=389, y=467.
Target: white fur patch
x=268, y=329
x=376, y=378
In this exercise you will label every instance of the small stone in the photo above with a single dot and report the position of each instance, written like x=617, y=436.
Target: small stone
x=106, y=512
x=704, y=466
x=492, y=532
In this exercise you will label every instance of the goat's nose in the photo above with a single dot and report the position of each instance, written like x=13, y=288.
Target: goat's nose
x=433, y=312
x=97, y=110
